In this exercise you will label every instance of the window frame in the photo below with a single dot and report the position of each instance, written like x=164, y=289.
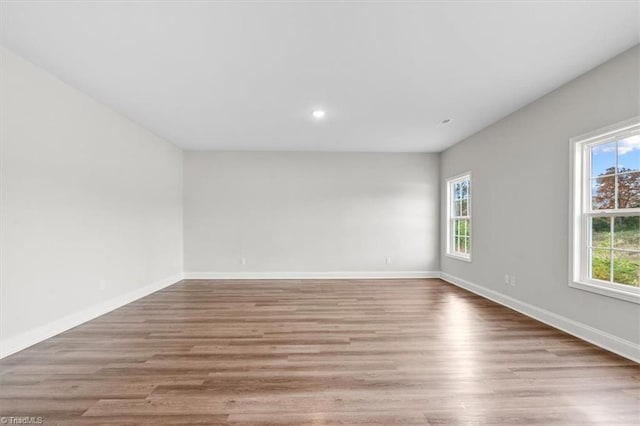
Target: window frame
x=581, y=211
x=451, y=219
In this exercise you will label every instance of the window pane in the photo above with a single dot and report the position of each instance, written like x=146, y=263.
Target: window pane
x=465, y=208
x=456, y=191
x=629, y=190
x=629, y=154
x=457, y=208
x=627, y=232
x=603, y=159
x=601, y=264
x=463, y=227
x=461, y=239
x=464, y=189
x=626, y=268
x=603, y=193
x=601, y=232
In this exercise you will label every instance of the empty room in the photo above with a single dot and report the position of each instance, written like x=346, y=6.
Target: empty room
x=320, y=212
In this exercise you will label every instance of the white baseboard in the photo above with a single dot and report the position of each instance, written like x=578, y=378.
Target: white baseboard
x=592, y=335
x=31, y=337
x=310, y=275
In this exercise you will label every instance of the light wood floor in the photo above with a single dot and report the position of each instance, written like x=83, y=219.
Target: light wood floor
x=318, y=352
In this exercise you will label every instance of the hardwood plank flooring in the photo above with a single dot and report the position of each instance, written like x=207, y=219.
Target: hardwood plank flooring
x=298, y=352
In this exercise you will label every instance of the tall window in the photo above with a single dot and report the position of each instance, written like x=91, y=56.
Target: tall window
x=459, y=216
x=606, y=211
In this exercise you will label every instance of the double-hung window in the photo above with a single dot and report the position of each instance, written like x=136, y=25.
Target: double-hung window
x=605, y=242
x=459, y=217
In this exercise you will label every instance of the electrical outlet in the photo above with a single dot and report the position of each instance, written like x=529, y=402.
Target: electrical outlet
x=506, y=279
x=243, y=260
x=388, y=260
x=513, y=280
x=103, y=284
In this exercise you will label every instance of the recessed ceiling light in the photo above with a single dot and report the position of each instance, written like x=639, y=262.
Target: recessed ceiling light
x=318, y=114
x=446, y=121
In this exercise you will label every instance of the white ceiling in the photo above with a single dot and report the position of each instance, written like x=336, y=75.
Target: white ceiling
x=246, y=75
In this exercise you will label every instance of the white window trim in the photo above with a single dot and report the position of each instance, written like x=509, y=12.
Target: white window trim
x=580, y=200
x=449, y=252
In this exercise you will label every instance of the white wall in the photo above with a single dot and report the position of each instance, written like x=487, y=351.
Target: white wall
x=91, y=207
x=310, y=214
x=520, y=203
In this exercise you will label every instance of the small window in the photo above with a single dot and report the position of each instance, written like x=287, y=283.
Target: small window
x=606, y=211
x=459, y=217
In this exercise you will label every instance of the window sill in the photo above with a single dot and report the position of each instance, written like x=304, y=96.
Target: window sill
x=459, y=257
x=628, y=295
